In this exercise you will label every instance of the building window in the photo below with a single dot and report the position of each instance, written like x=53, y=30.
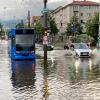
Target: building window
x=75, y=8
x=81, y=14
x=60, y=14
x=82, y=21
x=88, y=14
x=61, y=24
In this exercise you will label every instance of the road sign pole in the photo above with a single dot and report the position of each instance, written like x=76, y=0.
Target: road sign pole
x=28, y=19
x=73, y=30
x=45, y=28
x=99, y=28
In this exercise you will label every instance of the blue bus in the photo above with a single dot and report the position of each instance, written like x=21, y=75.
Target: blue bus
x=22, y=43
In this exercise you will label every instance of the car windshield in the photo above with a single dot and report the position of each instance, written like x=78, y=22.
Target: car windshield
x=80, y=46
x=24, y=40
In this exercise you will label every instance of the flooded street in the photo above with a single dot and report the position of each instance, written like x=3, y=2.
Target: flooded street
x=65, y=78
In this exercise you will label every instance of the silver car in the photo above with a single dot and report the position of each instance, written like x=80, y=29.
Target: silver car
x=81, y=49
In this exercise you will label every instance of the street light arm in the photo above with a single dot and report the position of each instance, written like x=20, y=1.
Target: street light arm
x=45, y=3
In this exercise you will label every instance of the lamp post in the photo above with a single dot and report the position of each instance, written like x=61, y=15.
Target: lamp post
x=45, y=40
x=28, y=19
x=99, y=28
x=74, y=23
x=45, y=3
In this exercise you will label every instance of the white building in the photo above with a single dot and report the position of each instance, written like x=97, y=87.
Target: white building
x=81, y=9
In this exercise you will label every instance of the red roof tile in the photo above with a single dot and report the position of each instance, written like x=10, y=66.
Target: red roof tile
x=34, y=18
x=85, y=3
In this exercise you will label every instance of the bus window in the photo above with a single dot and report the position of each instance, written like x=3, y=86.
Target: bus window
x=24, y=40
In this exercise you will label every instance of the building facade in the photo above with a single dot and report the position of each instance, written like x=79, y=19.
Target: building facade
x=82, y=10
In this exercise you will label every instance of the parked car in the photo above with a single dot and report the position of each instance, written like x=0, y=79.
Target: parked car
x=81, y=49
x=49, y=47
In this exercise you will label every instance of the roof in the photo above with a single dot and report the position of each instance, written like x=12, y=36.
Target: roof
x=34, y=18
x=57, y=9
x=80, y=3
x=84, y=3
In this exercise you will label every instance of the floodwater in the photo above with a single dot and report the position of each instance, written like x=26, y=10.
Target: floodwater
x=64, y=78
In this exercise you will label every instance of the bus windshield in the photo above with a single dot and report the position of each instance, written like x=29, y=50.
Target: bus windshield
x=24, y=40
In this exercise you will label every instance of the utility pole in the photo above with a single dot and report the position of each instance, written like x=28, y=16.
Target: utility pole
x=28, y=19
x=45, y=38
x=74, y=23
x=99, y=28
x=22, y=24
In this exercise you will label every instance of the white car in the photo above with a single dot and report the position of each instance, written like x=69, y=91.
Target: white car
x=81, y=49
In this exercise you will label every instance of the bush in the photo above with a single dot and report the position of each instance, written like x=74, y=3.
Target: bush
x=83, y=38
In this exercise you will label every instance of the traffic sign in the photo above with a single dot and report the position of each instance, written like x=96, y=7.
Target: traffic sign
x=45, y=10
x=45, y=38
x=45, y=42
x=72, y=28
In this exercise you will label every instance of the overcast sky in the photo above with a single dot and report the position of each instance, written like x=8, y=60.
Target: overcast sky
x=17, y=9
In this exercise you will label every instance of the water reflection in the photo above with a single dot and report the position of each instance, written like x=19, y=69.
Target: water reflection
x=45, y=74
x=84, y=69
x=51, y=78
x=23, y=73
x=48, y=76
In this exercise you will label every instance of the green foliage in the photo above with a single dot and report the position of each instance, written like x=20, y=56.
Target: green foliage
x=92, y=26
x=20, y=25
x=38, y=27
x=83, y=38
x=68, y=29
x=78, y=27
x=53, y=26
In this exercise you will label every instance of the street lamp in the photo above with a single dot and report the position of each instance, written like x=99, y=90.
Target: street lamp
x=45, y=2
x=28, y=19
x=45, y=39
x=99, y=28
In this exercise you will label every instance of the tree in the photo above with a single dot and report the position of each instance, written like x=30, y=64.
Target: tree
x=92, y=26
x=53, y=27
x=84, y=38
x=20, y=25
x=74, y=23
x=38, y=27
x=39, y=30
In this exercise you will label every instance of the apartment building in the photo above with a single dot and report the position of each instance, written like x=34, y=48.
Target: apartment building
x=82, y=10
